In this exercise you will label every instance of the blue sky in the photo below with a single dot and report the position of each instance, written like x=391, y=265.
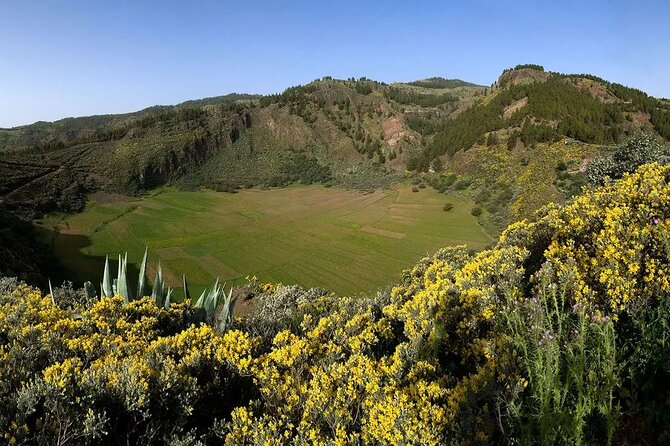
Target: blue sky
x=73, y=58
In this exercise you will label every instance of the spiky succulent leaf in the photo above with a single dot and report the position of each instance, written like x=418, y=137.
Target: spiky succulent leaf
x=51, y=292
x=200, y=315
x=201, y=300
x=118, y=273
x=187, y=293
x=141, y=283
x=157, y=292
x=114, y=287
x=211, y=301
x=226, y=317
x=131, y=296
x=168, y=299
x=106, y=286
x=122, y=280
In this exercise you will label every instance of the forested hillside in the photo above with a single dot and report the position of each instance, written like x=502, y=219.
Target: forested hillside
x=356, y=132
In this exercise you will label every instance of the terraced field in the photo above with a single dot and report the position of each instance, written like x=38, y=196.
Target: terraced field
x=342, y=240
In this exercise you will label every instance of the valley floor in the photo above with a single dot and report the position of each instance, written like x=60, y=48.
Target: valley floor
x=341, y=240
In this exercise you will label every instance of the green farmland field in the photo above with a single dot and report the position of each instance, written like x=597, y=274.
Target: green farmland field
x=341, y=240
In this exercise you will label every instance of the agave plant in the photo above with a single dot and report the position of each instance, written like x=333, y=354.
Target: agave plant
x=205, y=307
x=143, y=270
x=208, y=303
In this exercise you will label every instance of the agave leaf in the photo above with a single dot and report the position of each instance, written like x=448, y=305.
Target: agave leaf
x=131, y=296
x=227, y=311
x=200, y=315
x=51, y=292
x=122, y=282
x=187, y=293
x=90, y=291
x=118, y=273
x=114, y=287
x=168, y=299
x=141, y=283
x=212, y=300
x=201, y=300
x=157, y=292
x=106, y=285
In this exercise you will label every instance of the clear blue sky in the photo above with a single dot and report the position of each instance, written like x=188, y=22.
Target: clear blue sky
x=71, y=58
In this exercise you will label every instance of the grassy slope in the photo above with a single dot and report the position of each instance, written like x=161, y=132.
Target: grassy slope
x=345, y=241
x=531, y=174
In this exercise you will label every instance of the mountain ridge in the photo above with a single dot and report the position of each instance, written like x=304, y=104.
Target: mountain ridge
x=356, y=132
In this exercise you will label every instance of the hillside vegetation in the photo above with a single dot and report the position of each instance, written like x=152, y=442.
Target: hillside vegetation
x=553, y=336
x=513, y=147
x=357, y=133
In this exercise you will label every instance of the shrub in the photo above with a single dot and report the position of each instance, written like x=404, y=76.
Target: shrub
x=447, y=207
x=415, y=188
x=112, y=371
x=279, y=310
x=627, y=157
x=476, y=211
x=555, y=335
x=462, y=184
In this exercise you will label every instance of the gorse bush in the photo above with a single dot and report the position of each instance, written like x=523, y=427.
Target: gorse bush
x=556, y=335
x=114, y=372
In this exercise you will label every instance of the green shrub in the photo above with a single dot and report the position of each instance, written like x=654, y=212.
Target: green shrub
x=628, y=157
x=447, y=207
x=569, y=359
x=476, y=211
x=463, y=183
x=415, y=188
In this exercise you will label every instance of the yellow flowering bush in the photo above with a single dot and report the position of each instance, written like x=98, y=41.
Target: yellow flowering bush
x=529, y=342
x=113, y=371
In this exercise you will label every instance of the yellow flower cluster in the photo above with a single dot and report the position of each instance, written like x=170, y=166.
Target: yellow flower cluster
x=612, y=242
x=421, y=365
x=125, y=360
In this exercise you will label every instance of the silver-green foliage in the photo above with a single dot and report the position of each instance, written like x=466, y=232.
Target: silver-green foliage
x=214, y=307
x=627, y=157
x=143, y=270
x=213, y=299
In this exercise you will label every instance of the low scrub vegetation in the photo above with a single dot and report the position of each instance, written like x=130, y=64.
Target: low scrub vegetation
x=553, y=336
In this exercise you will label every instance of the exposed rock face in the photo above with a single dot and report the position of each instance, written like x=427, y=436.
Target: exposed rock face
x=514, y=106
x=522, y=76
x=394, y=131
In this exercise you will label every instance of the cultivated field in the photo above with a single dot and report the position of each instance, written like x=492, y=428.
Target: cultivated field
x=341, y=240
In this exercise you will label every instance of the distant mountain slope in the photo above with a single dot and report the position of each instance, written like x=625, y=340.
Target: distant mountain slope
x=512, y=147
x=440, y=82
x=357, y=133
x=352, y=132
x=531, y=106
